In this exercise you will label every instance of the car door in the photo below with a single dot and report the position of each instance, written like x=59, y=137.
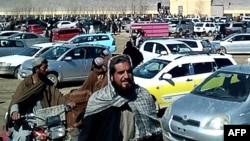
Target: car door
x=236, y=44
x=75, y=68
x=147, y=49
x=181, y=82
x=31, y=39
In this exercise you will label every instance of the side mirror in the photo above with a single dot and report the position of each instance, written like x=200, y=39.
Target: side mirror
x=166, y=76
x=230, y=40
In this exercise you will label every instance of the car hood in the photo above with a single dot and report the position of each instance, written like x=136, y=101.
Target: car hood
x=143, y=82
x=196, y=107
x=14, y=59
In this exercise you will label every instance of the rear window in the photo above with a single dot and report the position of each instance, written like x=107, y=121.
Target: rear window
x=221, y=62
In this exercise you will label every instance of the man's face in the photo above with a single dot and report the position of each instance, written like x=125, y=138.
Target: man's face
x=43, y=69
x=123, y=77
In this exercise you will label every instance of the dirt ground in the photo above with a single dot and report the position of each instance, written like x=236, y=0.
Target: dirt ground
x=8, y=84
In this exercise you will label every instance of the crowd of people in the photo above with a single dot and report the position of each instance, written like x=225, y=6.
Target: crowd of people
x=108, y=106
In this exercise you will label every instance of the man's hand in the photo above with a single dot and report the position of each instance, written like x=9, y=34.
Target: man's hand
x=15, y=116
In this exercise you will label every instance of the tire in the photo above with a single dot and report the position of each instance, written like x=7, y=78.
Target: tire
x=223, y=50
x=53, y=77
x=209, y=34
x=15, y=74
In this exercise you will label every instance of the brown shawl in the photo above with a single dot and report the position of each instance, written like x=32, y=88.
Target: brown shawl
x=27, y=91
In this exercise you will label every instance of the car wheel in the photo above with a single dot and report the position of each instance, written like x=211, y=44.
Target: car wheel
x=223, y=50
x=52, y=77
x=16, y=71
x=209, y=34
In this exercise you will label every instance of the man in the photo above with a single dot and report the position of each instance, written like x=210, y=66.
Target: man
x=121, y=111
x=134, y=53
x=33, y=93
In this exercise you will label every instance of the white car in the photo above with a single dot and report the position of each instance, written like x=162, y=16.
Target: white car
x=9, y=65
x=65, y=24
x=154, y=48
x=206, y=28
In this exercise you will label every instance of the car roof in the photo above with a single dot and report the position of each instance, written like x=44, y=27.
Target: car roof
x=167, y=41
x=237, y=68
x=42, y=45
x=192, y=39
x=193, y=55
x=83, y=45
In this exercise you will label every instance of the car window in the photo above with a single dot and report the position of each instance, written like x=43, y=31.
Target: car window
x=175, y=48
x=93, y=52
x=204, y=67
x=54, y=53
x=221, y=62
x=199, y=25
x=192, y=44
x=148, y=47
x=238, y=38
x=205, y=43
x=150, y=68
x=180, y=71
x=237, y=25
x=207, y=25
x=30, y=36
x=159, y=48
x=102, y=38
x=78, y=53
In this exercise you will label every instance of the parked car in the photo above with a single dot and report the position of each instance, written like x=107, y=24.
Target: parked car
x=6, y=33
x=36, y=28
x=154, y=48
x=106, y=39
x=221, y=99
x=235, y=27
x=64, y=34
x=29, y=38
x=67, y=62
x=205, y=28
x=169, y=77
x=9, y=65
x=64, y=24
x=198, y=44
x=11, y=46
x=238, y=43
x=182, y=25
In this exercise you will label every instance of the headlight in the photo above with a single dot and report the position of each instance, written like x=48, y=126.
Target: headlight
x=5, y=64
x=218, y=122
x=168, y=111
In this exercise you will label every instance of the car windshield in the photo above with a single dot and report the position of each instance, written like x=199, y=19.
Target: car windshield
x=227, y=37
x=228, y=86
x=54, y=53
x=150, y=68
x=178, y=48
x=199, y=25
x=30, y=51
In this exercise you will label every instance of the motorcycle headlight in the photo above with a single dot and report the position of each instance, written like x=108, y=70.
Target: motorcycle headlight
x=217, y=122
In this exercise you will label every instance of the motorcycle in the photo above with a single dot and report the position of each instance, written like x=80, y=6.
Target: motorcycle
x=48, y=124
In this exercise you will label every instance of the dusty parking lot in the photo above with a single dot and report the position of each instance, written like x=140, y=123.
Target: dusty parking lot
x=8, y=84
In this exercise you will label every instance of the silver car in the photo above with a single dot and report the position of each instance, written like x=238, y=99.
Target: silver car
x=238, y=43
x=30, y=38
x=221, y=99
x=66, y=63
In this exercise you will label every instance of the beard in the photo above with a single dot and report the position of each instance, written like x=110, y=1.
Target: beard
x=124, y=91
